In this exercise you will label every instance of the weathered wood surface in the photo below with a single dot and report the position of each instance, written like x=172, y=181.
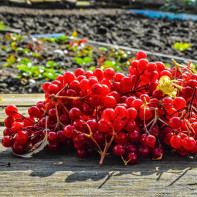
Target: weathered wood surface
x=63, y=174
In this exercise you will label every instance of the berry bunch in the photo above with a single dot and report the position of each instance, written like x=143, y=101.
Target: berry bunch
x=104, y=112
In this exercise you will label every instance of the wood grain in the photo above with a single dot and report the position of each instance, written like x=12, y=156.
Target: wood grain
x=63, y=174
x=20, y=99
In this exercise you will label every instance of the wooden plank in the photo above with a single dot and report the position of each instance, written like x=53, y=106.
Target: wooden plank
x=62, y=174
x=20, y=99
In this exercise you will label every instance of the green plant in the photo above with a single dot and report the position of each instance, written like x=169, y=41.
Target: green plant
x=83, y=61
x=28, y=70
x=11, y=60
x=180, y=46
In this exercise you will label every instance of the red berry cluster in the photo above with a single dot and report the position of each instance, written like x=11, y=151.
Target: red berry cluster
x=106, y=112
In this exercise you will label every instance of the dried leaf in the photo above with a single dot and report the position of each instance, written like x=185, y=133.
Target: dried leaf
x=166, y=86
x=36, y=150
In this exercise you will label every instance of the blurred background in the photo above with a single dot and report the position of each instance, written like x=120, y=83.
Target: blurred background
x=40, y=39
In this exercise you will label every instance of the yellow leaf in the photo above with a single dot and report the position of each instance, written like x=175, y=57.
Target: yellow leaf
x=0, y=99
x=74, y=34
x=166, y=86
x=157, y=159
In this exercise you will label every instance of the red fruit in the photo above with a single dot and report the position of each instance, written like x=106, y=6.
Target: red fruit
x=151, y=67
x=52, y=137
x=53, y=147
x=68, y=77
x=150, y=141
x=11, y=110
x=167, y=103
x=34, y=112
x=179, y=103
x=176, y=141
x=7, y=141
x=126, y=84
x=16, y=126
x=165, y=73
x=175, y=123
x=141, y=55
x=157, y=153
x=21, y=137
x=142, y=63
x=145, y=113
x=130, y=126
x=143, y=151
x=130, y=148
x=81, y=153
x=134, y=137
x=8, y=122
x=17, y=148
x=103, y=126
x=93, y=125
x=61, y=137
x=109, y=73
x=121, y=138
x=119, y=150
x=53, y=89
x=137, y=103
x=79, y=71
x=131, y=113
x=132, y=158
x=160, y=66
x=118, y=125
x=45, y=86
x=7, y=131
x=97, y=89
x=69, y=131
x=108, y=114
x=110, y=102
x=84, y=84
x=121, y=112
x=194, y=150
x=99, y=137
x=75, y=113
x=98, y=73
x=188, y=143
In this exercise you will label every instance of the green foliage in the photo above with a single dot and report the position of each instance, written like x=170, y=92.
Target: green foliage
x=111, y=64
x=167, y=65
x=83, y=61
x=194, y=67
x=27, y=70
x=102, y=49
x=2, y=26
x=180, y=46
x=11, y=60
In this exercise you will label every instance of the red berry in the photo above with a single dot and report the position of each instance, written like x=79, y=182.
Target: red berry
x=189, y=143
x=11, y=110
x=109, y=73
x=132, y=158
x=141, y=55
x=176, y=141
x=119, y=150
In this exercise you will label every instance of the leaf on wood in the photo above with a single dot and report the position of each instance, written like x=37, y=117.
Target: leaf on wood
x=35, y=150
x=0, y=99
